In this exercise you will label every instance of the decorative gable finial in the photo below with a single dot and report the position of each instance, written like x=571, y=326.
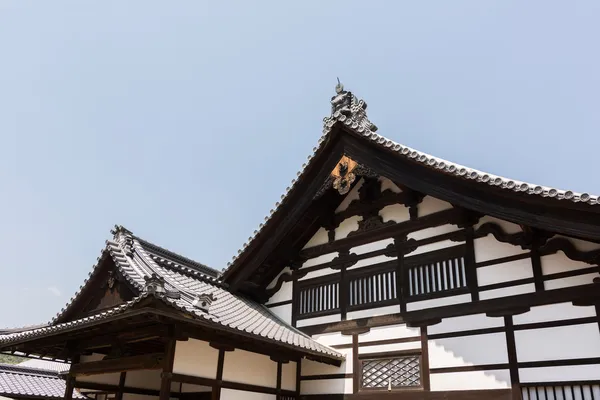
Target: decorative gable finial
x=124, y=237
x=204, y=301
x=346, y=104
x=155, y=284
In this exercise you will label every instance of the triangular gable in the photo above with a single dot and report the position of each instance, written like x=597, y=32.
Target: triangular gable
x=350, y=140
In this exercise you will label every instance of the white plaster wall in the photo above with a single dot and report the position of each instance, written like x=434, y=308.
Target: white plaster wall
x=365, y=248
x=560, y=374
x=431, y=205
x=507, y=292
x=372, y=261
x=318, y=238
x=581, y=245
x=467, y=322
x=431, y=232
x=109, y=379
x=231, y=394
x=471, y=350
x=288, y=376
x=553, y=312
x=559, y=262
x=563, y=342
x=245, y=367
x=284, y=294
x=147, y=379
x=350, y=197
x=473, y=380
x=505, y=272
x=319, y=272
x=395, y=212
x=319, y=320
x=325, y=258
x=333, y=338
x=273, y=283
x=196, y=358
x=326, y=386
x=570, y=281
x=310, y=368
x=488, y=248
x=384, y=348
x=506, y=226
x=444, y=301
x=434, y=246
x=347, y=226
x=388, y=184
x=389, y=332
x=283, y=312
x=373, y=312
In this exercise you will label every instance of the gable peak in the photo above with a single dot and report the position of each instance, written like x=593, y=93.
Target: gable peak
x=346, y=105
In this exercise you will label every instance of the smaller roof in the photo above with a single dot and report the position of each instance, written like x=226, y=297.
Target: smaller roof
x=45, y=365
x=17, y=380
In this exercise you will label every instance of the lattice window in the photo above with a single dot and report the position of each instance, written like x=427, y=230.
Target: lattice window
x=319, y=298
x=395, y=372
x=567, y=391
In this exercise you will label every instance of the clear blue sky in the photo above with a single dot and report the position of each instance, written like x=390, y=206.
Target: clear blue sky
x=185, y=121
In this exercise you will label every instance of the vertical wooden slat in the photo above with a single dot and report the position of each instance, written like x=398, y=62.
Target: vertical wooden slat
x=298, y=376
x=122, y=377
x=469, y=262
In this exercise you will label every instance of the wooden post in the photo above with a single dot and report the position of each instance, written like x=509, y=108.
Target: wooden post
x=165, y=384
x=279, y=371
x=298, y=377
x=70, y=384
x=425, y=359
x=355, y=362
x=216, y=391
x=122, y=378
x=512, y=357
x=401, y=272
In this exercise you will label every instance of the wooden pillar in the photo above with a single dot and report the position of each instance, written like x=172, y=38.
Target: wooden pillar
x=165, y=384
x=216, y=391
x=279, y=372
x=355, y=364
x=425, y=380
x=298, y=377
x=70, y=381
x=470, y=263
x=512, y=357
x=536, y=264
x=122, y=378
x=401, y=272
x=343, y=292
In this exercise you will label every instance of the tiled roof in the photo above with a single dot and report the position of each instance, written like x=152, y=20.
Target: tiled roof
x=356, y=121
x=136, y=261
x=45, y=365
x=16, y=380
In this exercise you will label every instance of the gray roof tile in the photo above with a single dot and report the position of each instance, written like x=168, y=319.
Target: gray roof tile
x=17, y=380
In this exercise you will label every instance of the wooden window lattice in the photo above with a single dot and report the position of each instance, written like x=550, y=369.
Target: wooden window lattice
x=397, y=372
x=316, y=299
x=375, y=288
x=575, y=391
x=437, y=276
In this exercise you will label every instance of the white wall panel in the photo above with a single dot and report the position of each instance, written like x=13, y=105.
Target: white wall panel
x=473, y=380
x=326, y=386
x=325, y=258
x=284, y=312
x=147, y=379
x=109, y=379
x=350, y=197
x=387, y=184
x=395, y=212
x=431, y=232
x=444, y=301
x=231, y=394
x=570, y=281
x=196, y=358
x=384, y=348
x=319, y=272
x=560, y=374
x=318, y=320
x=471, y=350
x=553, y=312
x=288, y=376
x=434, y=246
x=365, y=248
x=246, y=367
x=507, y=292
x=581, y=245
x=389, y=332
x=488, y=248
x=373, y=312
x=318, y=238
x=347, y=226
x=563, y=342
x=510, y=271
x=284, y=294
x=333, y=338
x=467, y=322
x=372, y=261
x=559, y=262
x=310, y=368
x=431, y=205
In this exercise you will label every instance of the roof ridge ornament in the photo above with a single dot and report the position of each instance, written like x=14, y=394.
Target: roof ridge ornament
x=155, y=284
x=124, y=237
x=204, y=301
x=346, y=105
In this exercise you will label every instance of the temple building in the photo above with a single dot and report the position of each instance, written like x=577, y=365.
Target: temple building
x=382, y=273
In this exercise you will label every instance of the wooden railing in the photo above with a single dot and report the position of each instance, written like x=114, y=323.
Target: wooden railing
x=584, y=390
x=436, y=274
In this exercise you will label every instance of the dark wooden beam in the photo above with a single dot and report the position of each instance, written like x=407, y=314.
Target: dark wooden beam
x=146, y=361
x=115, y=388
x=122, y=378
x=168, y=361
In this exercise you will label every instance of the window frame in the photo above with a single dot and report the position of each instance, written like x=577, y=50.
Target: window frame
x=387, y=355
